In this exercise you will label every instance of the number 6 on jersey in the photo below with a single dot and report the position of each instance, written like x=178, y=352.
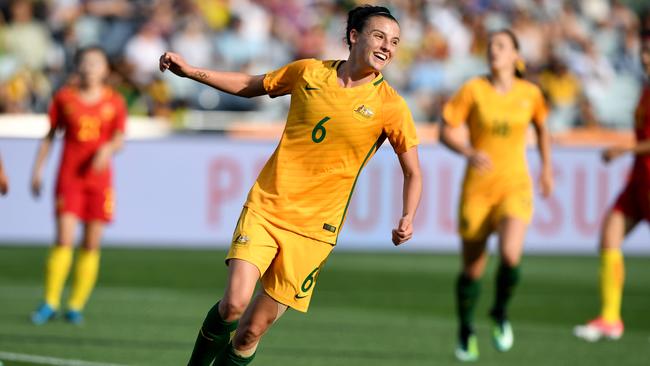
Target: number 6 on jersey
x=319, y=128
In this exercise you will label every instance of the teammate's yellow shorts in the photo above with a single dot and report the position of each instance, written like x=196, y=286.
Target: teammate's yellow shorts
x=480, y=212
x=289, y=263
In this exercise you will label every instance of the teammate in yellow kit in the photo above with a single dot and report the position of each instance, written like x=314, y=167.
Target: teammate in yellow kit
x=497, y=194
x=341, y=112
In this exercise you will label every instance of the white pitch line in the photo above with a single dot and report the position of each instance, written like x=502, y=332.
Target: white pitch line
x=44, y=360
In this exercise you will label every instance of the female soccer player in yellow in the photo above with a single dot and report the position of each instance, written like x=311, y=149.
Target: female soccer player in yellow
x=497, y=193
x=631, y=208
x=341, y=112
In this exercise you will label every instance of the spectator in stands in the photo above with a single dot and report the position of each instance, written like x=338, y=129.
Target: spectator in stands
x=563, y=93
x=26, y=38
x=588, y=36
x=140, y=50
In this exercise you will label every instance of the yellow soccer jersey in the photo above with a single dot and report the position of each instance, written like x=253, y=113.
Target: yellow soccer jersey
x=330, y=135
x=497, y=126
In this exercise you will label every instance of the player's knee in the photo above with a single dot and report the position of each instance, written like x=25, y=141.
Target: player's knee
x=64, y=239
x=251, y=334
x=232, y=309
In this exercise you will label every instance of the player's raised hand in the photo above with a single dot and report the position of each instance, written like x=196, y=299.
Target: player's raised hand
x=403, y=232
x=175, y=63
x=612, y=153
x=481, y=161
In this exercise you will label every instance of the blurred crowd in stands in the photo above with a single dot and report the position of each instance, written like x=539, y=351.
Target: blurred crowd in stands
x=583, y=53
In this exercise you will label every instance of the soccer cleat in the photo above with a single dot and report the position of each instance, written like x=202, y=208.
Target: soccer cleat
x=74, y=317
x=43, y=314
x=467, y=352
x=502, y=336
x=598, y=329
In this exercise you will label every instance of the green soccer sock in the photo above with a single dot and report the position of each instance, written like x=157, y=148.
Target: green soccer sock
x=506, y=282
x=231, y=358
x=467, y=293
x=213, y=338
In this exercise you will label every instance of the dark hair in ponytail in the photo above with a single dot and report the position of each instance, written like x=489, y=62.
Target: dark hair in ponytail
x=520, y=66
x=358, y=17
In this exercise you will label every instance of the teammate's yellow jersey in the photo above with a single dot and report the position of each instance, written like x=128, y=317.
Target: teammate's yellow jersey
x=330, y=135
x=497, y=124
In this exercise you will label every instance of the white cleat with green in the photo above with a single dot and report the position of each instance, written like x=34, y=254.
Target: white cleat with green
x=470, y=352
x=502, y=336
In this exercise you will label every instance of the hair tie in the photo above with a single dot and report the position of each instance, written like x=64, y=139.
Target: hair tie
x=520, y=66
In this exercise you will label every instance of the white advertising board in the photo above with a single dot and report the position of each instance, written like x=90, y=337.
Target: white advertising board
x=189, y=190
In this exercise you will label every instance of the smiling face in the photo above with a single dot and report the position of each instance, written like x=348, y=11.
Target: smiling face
x=375, y=45
x=502, y=53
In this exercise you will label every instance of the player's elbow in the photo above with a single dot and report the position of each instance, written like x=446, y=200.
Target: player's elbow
x=412, y=173
x=251, y=91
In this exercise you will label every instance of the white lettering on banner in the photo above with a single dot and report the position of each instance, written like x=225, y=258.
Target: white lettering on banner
x=189, y=191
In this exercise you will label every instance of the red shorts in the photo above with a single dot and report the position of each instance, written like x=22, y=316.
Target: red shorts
x=86, y=204
x=634, y=201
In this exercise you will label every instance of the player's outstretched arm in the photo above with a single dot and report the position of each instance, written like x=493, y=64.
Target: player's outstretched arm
x=544, y=147
x=411, y=192
x=41, y=156
x=236, y=83
x=454, y=139
x=640, y=148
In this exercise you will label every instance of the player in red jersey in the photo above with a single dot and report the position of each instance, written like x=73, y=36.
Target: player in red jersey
x=631, y=208
x=92, y=117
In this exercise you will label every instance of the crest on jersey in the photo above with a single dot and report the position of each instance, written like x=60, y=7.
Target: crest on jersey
x=242, y=239
x=363, y=112
x=107, y=112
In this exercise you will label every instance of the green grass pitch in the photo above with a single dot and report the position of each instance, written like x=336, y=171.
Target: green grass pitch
x=379, y=309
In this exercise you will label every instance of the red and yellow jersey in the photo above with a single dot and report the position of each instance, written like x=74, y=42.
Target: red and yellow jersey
x=641, y=169
x=86, y=126
x=330, y=135
x=497, y=126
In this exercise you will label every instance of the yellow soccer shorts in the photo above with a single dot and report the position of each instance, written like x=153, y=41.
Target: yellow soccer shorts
x=289, y=263
x=480, y=212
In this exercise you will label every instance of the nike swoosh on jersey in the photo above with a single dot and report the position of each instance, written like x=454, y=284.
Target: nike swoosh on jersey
x=300, y=297
x=307, y=87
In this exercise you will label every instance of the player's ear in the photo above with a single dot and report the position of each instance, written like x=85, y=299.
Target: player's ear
x=354, y=36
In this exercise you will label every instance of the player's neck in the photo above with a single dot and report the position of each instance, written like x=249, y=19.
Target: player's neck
x=351, y=74
x=90, y=92
x=502, y=81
